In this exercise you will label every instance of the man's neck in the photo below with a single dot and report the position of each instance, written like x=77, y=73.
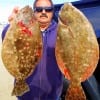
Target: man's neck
x=44, y=26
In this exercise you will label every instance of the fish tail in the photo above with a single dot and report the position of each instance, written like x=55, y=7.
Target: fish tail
x=20, y=88
x=75, y=93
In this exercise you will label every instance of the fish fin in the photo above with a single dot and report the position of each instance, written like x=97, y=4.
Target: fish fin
x=20, y=88
x=75, y=93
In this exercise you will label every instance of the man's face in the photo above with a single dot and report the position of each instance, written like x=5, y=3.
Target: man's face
x=43, y=11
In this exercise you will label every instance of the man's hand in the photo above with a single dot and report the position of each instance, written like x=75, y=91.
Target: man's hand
x=14, y=12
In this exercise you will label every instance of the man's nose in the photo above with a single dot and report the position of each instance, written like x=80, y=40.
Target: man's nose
x=43, y=11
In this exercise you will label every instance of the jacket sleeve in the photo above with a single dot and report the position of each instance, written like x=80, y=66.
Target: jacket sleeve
x=4, y=31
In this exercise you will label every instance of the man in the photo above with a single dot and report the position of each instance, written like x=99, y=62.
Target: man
x=46, y=82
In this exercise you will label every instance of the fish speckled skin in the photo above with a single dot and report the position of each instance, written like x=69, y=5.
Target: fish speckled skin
x=77, y=50
x=22, y=48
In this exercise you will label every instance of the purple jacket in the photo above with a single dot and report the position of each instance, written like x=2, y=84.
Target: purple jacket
x=46, y=81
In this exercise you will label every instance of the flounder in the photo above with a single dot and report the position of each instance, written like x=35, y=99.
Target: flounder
x=77, y=50
x=22, y=48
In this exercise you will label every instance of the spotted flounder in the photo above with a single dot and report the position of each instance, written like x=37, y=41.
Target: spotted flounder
x=22, y=48
x=77, y=50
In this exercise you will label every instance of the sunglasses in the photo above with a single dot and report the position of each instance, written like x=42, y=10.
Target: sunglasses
x=40, y=9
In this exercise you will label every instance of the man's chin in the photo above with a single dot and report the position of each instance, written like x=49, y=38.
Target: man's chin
x=44, y=21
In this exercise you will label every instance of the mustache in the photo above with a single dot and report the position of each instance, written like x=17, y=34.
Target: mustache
x=44, y=15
